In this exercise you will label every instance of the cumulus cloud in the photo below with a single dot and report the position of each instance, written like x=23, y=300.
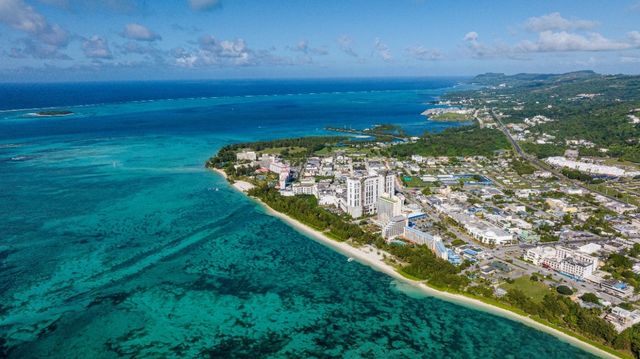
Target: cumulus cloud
x=203, y=5
x=145, y=49
x=423, y=54
x=304, y=47
x=382, y=50
x=563, y=41
x=475, y=48
x=96, y=47
x=212, y=52
x=45, y=39
x=20, y=16
x=140, y=33
x=470, y=36
x=28, y=47
x=555, y=22
x=346, y=45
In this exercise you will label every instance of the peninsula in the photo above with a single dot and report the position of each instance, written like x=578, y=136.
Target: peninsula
x=468, y=216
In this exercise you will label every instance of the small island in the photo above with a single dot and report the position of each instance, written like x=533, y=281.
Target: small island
x=52, y=113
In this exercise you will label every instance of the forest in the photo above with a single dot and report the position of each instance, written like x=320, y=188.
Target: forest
x=452, y=142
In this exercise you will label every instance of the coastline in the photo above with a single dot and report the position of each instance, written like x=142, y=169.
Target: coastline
x=376, y=262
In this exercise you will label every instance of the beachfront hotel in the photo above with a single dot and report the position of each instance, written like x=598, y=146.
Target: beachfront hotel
x=363, y=191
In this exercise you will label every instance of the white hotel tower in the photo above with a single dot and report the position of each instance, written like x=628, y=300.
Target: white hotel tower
x=363, y=192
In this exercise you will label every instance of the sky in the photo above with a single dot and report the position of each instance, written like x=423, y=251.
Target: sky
x=102, y=40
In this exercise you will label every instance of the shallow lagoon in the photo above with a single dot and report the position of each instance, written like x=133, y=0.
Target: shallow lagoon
x=115, y=242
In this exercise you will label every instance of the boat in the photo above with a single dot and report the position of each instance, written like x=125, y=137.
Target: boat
x=350, y=259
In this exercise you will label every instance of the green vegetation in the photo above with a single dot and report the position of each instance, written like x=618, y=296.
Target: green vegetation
x=564, y=290
x=533, y=289
x=523, y=168
x=54, y=113
x=590, y=298
x=525, y=295
x=386, y=129
x=461, y=141
x=450, y=117
x=620, y=267
x=226, y=156
x=413, y=181
x=306, y=209
x=542, y=150
x=600, y=117
x=458, y=242
x=580, y=176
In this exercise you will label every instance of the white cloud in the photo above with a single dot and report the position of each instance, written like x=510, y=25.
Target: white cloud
x=346, y=45
x=32, y=48
x=203, y=5
x=20, y=16
x=475, y=48
x=471, y=36
x=563, y=41
x=634, y=37
x=139, y=32
x=383, y=50
x=212, y=52
x=96, y=47
x=423, y=54
x=44, y=40
x=555, y=22
x=303, y=46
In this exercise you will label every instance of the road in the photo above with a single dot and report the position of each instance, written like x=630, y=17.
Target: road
x=541, y=165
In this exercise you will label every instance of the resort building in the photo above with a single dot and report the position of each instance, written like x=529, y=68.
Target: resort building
x=565, y=261
x=388, y=207
x=423, y=238
x=246, y=155
x=363, y=192
x=394, y=228
x=482, y=231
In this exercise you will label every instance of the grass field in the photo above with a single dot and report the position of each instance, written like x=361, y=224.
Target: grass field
x=278, y=150
x=534, y=290
x=413, y=181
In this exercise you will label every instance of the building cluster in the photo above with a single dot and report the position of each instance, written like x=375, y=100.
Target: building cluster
x=266, y=163
x=590, y=168
x=443, y=110
x=573, y=263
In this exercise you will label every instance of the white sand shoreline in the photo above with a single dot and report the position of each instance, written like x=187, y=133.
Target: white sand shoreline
x=376, y=263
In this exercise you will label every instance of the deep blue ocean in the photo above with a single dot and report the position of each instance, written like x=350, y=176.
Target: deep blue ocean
x=116, y=242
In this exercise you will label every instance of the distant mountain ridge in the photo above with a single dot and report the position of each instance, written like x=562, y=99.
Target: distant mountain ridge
x=494, y=78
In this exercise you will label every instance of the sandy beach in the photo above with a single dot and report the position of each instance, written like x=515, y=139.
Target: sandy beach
x=373, y=258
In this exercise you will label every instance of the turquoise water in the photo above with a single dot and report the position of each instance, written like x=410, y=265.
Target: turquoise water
x=116, y=242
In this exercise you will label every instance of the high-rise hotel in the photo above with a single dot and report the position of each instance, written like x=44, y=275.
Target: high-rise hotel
x=363, y=191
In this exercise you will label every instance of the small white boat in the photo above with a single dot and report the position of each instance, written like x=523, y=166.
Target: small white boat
x=350, y=259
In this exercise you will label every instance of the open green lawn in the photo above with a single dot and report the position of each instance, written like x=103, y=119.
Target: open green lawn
x=535, y=290
x=278, y=150
x=413, y=181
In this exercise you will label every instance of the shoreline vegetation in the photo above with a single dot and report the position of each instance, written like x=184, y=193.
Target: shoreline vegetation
x=416, y=265
x=376, y=259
